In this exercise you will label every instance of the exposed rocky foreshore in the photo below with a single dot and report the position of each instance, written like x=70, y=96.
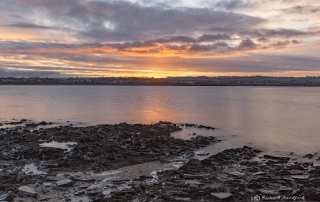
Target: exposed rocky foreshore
x=136, y=162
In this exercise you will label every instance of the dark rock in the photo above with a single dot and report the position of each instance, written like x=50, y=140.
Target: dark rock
x=300, y=177
x=271, y=156
x=308, y=156
x=188, y=176
x=296, y=167
x=64, y=183
x=296, y=172
x=244, y=162
x=42, y=123
x=316, y=183
x=268, y=192
x=236, y=174
x=222, y=195
x=315, y=172
x=59, y=189
x=259, y=173
x=83, y=179
x=27, y=191
x=253, y=163
x=5, y=197
x=79, y=193
x=93, y=192
x=285, y=190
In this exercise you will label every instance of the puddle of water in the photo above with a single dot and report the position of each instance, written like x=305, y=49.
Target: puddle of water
x=32, y=169
x=188, y=132
x=60, y=145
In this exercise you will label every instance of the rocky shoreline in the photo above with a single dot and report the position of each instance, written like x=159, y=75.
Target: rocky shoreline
x=137, y=162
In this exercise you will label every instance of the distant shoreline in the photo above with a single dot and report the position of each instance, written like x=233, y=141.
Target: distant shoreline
x=102, y=84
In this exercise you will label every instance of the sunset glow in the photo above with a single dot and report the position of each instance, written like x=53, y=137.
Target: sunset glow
x=64, y=38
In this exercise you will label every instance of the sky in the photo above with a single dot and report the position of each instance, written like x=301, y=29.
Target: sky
x=159, y=38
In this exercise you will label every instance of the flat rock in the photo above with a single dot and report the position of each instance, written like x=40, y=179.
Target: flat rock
x=5, y=197
x=259, y=173
x=64, y=183
x=192, y=182
x=286, y=190
x=27, y=191
x=222, y=195
x=202, y=153
x=83, y=179
x=296, y=172
x=181, y=199
x=296, y=167
x=93, y=192
x=79, y=193
x=236, y=174
x=52, y=165
x=272, y=156
x=59, y=188
x=268, y=192
x=46, y=197
x=315, y=172
x=188, y=176
x=52, y=178
x=47, y=184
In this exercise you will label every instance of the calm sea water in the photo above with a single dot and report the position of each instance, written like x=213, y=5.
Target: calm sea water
x=276, y=119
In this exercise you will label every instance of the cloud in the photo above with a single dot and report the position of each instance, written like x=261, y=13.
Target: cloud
x=29, y=26
x=247, y=44
x=303, y=9
x=251, y=63
x=233, y=4
x=294, y=41
x=267, y=33
x=104, y=35
x=280, y=44
x=210, y=37
x=263, y=39
x=4, y=72
x=104, y=64
x=126, y=21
